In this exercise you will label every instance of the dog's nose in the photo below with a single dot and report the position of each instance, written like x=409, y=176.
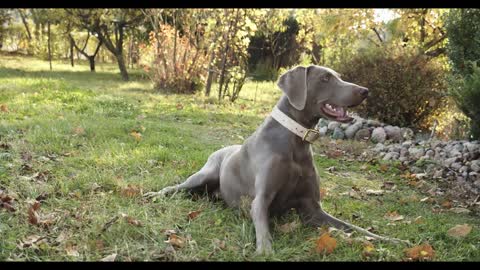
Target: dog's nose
x=363, y=92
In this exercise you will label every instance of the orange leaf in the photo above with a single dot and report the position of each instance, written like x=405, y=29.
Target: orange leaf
x=33, y=216
x=459, y=231
x=179, y=106
x=136, y=135
x=325, y=243
x=130, y=191
x=193, y=214
x=393, y=216
x=4, y=108
x=421, y=252
x=323, y=193
x=176, y=241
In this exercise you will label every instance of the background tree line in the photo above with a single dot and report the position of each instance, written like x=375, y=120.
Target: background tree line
x=420, y=63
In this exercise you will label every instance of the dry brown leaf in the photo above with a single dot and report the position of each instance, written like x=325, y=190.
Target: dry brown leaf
x=393, y=216
x=383, y=167
x=323, y=193
x=447, y=204
x=78, y=131
x=4, y=108
x=325, y=243
x=218, y=244
x=288, y=227
x=136, y=135
x=192, y=215
x=459, y=231
x=33, y=216
x=176, y=241
x=109, y=258
x=387, y=185
x=130, y=191
x=420, y=253
x=179, y=106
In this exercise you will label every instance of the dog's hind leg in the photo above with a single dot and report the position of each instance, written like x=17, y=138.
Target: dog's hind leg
x=312, y=214
x=206, y=179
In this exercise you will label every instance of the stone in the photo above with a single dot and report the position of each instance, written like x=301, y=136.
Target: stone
x=454, y=153
x=362, y=135
x=351, y=130
x=379, y=147
x=472, y=147
x=393, y=133
x=338, y=133
x=378, y=135
x=456, y=166
x=415, y=152
x=404, y=152
x=438, y=174
x=373, y=123
x=322, y=122
x=345, y=125
x=407, y=143
x=463, y=169
x=391, y=156
x=429, y=154
x=323, y=130
x=447, y=162
x=407, y=133
x=333, y=124
x=475, y=165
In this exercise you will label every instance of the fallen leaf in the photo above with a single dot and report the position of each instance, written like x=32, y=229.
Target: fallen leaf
x=459, y=210
x=192, y=215
x=421, y=252
x=176, y=241
x=383, y=167
x=459, y=231
x=325, y=244
x=109, y=258
x=130, y=191
x=30, y=240
x=72, y=250
x=33, y=216
x=218, y=244
x=78, y=131
x=424, y=199
x=447, y=204
x=368, y=249
x=387, y=185
x=323, y=193
x=419, y=220
x=136, y=135
x=393, y=216
x=179, y=106
x=288, y=227
x=374, y=192
x=4, y=108
x=131, y=220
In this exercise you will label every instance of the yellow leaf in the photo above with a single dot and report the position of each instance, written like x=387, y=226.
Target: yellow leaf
x=325, y=244
x=176, y=241
x=421, y=252
x=136, y=135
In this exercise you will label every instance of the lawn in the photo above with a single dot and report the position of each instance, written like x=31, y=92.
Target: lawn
x=87, y=145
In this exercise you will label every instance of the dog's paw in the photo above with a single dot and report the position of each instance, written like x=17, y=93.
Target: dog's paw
x=265, y=249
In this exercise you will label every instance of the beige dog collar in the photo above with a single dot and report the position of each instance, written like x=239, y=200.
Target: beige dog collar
x=308, y=135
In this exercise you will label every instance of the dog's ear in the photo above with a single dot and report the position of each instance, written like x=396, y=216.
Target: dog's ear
x=294, y=84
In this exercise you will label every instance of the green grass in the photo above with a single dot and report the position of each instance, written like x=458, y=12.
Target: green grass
x=76, y=126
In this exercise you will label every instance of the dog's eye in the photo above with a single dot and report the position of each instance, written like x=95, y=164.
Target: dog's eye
x=327, y=77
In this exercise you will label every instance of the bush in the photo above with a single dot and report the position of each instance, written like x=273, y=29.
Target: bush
x=466, y=92
x=405, y=88
x=183, y=73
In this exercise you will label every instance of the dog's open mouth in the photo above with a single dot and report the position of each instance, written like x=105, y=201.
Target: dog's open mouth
x=335, y=112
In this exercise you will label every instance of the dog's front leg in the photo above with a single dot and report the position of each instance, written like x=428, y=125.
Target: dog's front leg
x=259, y=214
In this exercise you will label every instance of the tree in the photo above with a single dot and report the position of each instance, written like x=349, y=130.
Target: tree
x=109, y=26
x=91, y=58
x=5, y=17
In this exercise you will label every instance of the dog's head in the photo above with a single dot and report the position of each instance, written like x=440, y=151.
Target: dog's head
x=319, y=91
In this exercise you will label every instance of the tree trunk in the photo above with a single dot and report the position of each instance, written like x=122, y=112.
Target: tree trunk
x=49, y=46
x=121, y=66
x=208, y=85
x=71, y=53
x=91, y=60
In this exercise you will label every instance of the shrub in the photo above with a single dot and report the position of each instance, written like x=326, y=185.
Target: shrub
x=177, y=65
x=405, y=88
x=466, y=92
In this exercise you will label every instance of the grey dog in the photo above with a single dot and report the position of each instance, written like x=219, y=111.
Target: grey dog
x=274, y=167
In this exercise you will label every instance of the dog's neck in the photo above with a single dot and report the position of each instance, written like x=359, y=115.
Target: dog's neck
x=303, y=117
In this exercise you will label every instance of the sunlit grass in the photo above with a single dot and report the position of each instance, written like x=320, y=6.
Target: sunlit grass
x=77, y=126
